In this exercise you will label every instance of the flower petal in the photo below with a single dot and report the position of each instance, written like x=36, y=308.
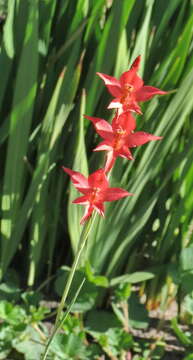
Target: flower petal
x=136, y=63
x=131, y=106
x=102, y=127
x=125, y=153
x=98, y=180
x=140, y=138
x=82, y=200
x=111, y=83
x=99, y=207
x=147, y=92
x=112, y=194
x=104, y=146
x=79, y=181
x=130, y=76
x=124, y=121
x=88, y=212
x=115, y=104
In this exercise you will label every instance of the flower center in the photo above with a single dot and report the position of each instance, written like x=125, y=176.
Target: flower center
x=127, y=93
x=94, y=194
x=120, y=132
x=128, y=87
x=96, y=189
x=118, y=140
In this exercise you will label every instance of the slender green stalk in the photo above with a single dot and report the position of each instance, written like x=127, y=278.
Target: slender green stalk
x=82, y=242
x=60, y=323
x=83, y=238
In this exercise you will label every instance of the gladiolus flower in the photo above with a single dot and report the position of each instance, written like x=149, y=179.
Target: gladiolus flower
x=129, y=90
x=96, y=191
x=119, y=137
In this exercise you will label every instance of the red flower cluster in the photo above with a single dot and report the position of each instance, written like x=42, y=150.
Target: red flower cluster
x=118, y=138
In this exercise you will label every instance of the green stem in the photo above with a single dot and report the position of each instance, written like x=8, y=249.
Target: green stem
x=82, y=242
x=83, y=238
x=60, y=323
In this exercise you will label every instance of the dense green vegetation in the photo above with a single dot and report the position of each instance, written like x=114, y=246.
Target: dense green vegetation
x=50, y=53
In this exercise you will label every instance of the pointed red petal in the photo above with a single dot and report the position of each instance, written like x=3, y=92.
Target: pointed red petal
x=102, y=127
x=112, y=194
x=140, y=138
x=93, y=119
x=111, y=83
x=130, y=76
x=103, y=146
x=125, y=153
x=82, y=200
x=98, y=179
x=137, y=82
x=88, y=212
x=79, y=180
x=131, y=106
x=147, y=92
x=136, y=63
x=99, y=207
x=115, y=104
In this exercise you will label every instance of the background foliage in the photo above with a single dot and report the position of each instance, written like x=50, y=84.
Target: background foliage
x=50, y=52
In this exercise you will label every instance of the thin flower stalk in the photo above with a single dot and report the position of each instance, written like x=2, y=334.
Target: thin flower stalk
x=58, y=326
x=82, y=242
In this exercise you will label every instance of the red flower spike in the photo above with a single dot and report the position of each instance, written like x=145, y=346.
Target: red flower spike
x=119, y=137
x=96, y=191
x=129, y=90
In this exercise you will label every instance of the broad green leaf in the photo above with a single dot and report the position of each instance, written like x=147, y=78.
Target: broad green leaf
x=9, y=29
x=187, y=282
x=50, y=132
x=138, y=315
x=75, y=212
x=47, y=9
x=132, y=278
x=122, y=55
x=179, y=54
x=93, y=18
x=31, y=345
x=143, y=37
x=186, y=259
x=188, y=304
x=67, y=346
x=88, y=293
x=101, y=321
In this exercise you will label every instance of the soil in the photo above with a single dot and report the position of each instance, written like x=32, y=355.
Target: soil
x=160, y=329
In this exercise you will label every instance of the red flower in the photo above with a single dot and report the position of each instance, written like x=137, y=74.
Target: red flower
x=129, y=90
x=96, y=191
x=119, y=137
